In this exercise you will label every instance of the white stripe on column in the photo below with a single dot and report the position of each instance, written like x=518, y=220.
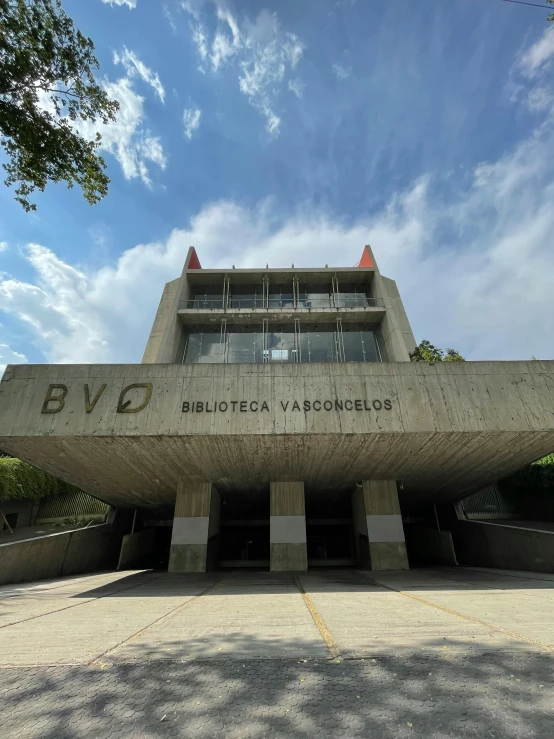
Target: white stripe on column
x=385, y=528
x=287, y=529
x=190, y=530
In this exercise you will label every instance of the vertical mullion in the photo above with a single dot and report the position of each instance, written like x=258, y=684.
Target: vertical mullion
x=223, y=341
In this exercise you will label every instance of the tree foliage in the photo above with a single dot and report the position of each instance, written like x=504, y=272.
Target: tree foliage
x=550, y=17
x=426, y=352
x=47, y=86
x=531, y=489
x=20, y=480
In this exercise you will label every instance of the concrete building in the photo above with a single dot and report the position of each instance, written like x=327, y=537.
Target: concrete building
x=276, y=420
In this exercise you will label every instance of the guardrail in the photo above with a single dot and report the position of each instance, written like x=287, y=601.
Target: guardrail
x=282, y=303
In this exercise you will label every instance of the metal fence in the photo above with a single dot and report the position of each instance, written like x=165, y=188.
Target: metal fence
x=489, y=503
x=277, y=302
x=74, y=505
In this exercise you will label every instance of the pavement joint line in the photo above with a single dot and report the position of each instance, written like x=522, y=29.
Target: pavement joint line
x=83, y=602
x=513, y=634
x=326, y=635
x=96, y=659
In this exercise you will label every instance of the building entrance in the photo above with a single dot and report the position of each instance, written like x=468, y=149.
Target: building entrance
x=329, y=529
x=244, y=528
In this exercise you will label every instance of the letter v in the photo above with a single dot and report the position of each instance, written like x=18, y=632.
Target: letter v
x=88, y=405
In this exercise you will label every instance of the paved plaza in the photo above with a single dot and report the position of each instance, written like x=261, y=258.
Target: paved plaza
x=429, y=653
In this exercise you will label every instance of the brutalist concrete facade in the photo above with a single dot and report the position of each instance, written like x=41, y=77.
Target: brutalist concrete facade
x=293, y=382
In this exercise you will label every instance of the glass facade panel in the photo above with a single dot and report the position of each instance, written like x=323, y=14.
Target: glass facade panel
x=246, y=301
x=353, y=348
x=309, y=343
x=318, y=345
x=203, y=348
x=371, y=353
x=359, y=346
x=314, y=300
x=281, y=346
x=241, y=348
x=351, y=300
x=280, y=300
x=206, y=302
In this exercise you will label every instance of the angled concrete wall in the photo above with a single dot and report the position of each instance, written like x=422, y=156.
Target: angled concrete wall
x=483, y=544
x=53, y=555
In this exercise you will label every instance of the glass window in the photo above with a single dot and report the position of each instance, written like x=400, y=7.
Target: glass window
x=350, y=300
x=203, y=348
x=314, y=300
x=353, y=348
x=281, y=346
x=241, y=348
x=317, y=345
x=206, y=302
x=359, y=346
x=370, y=346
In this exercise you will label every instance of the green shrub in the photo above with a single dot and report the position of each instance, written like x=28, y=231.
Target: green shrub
x=20, y=480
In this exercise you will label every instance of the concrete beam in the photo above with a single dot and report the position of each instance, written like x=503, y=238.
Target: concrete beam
x=445, y=429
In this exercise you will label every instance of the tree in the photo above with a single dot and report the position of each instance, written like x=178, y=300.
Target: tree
x=426, y=352
x=47, y=87
x=550, y=17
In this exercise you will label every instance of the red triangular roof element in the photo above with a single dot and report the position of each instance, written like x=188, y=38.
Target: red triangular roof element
x=366, y=260
x=194, y=262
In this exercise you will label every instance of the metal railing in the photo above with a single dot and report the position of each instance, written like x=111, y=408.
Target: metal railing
x=488, y=503
x=71, y=505
x=280, y=303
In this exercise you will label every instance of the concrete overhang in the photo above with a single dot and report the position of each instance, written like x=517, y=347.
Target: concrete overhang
x=445, y=430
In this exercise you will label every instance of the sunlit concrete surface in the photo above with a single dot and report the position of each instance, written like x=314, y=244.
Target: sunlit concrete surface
x=441, y=653
x=143, y=616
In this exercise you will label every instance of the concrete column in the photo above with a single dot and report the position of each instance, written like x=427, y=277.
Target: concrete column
x=287, y=524
x=194, y=539
x=378, y=526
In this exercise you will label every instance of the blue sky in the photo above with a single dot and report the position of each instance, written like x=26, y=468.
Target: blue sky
x=297, y=132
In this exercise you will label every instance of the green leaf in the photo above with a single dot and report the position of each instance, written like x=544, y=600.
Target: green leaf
x=47, y=82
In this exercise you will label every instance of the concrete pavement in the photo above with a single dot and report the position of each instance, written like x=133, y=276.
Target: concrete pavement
x=443, y=652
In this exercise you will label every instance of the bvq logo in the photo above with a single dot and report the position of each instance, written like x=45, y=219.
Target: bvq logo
x=55, y=398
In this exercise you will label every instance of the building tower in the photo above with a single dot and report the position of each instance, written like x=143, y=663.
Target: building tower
x=259, y=319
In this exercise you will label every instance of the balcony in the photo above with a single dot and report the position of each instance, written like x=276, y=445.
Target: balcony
x=283, y=308
x=272, y=303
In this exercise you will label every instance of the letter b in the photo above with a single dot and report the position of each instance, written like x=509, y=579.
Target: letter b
x=59, y=399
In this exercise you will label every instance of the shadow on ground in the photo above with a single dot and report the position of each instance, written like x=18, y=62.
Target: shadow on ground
x=259, y=582
x=504, y=695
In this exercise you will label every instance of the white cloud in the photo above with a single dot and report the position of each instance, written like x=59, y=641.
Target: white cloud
x=3, y=245
x=341, y=72
x=484, y=257
x=8, y=356
x=296, y=87
x=474, y=267
x=539, y=99
x=534, y=58
x=133, y=66
x=200, y=40
x=191, y=120
x=129, y=3
x=265, y=56
x=127, y=139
